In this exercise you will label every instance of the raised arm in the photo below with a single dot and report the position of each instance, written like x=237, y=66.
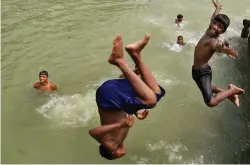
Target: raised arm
x=36, y=85
x=218, y=7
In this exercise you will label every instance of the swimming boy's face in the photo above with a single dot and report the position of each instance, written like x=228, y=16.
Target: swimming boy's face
x=180, y=40
x=215, y=28
x=180, y=19
x=43, y=78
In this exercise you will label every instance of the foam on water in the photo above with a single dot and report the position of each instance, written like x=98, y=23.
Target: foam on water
x=140, y=160
x=174, y=152
x=190, y=38
x=70, y=110
x=172, y=47
x=248, y=10
x=182, y=24
x=165, y=79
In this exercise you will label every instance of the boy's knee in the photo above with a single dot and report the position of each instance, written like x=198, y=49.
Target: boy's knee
x=151, y=100
x=211, y=104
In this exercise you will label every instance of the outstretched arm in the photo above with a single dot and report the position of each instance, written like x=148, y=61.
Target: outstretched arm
x=222, y=48
x=218, y=7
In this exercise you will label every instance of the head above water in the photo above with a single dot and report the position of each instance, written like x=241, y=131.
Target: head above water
x=179, y=17
x=43, y=76
x=218, y=25
x=180, y=40
x=246, y=23
x=104, y=152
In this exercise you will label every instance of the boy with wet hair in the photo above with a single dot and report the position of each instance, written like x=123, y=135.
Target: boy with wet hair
x=204, y=50
x=44, y=84
x=179, y=19
x=180, y=41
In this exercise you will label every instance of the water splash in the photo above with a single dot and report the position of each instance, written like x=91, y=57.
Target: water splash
x=165, y=79
x=175, y=153
x=70, y=110
x=172, y=47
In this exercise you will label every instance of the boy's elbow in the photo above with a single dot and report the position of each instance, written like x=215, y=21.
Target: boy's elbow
x=91, y=133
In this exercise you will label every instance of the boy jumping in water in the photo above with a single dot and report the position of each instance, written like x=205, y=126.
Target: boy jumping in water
x=118, y=99
x=204, y=50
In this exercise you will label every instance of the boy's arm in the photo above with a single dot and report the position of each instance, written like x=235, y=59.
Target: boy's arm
x=218, y=7
x=36, y=85
x=53, y=86
x=100, y=134
x=222, y=48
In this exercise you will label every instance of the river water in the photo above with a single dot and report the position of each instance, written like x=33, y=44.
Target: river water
x=72, y=41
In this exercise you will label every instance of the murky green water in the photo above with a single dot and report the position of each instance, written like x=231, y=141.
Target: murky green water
x=73, y=39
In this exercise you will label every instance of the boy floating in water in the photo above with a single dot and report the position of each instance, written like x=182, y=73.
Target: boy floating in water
x=118, y=99
x=44, y=84
x=180, y=41
x=179, y=19
x=204, y=50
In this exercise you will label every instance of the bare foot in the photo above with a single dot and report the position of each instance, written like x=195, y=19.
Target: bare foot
x=117, y=52
x=135, y=48
x=236, y=90
x=235, y=99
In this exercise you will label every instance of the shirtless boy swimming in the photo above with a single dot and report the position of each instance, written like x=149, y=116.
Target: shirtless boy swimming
x=44, y=84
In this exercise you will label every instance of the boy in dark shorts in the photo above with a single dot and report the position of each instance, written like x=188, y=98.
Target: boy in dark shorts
x=204, y=50
x=119, y=99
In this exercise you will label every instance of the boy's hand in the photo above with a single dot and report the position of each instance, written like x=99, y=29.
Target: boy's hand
x=217, y=4
x=128, y=121
x=229, y=51
x=141, y=115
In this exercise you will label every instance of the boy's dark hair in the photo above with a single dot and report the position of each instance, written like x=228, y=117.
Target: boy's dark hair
x=246, y=23
x=223, y=19
x=104, y=152
x=44, y=72
x=179, y=16
x=179, y=37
